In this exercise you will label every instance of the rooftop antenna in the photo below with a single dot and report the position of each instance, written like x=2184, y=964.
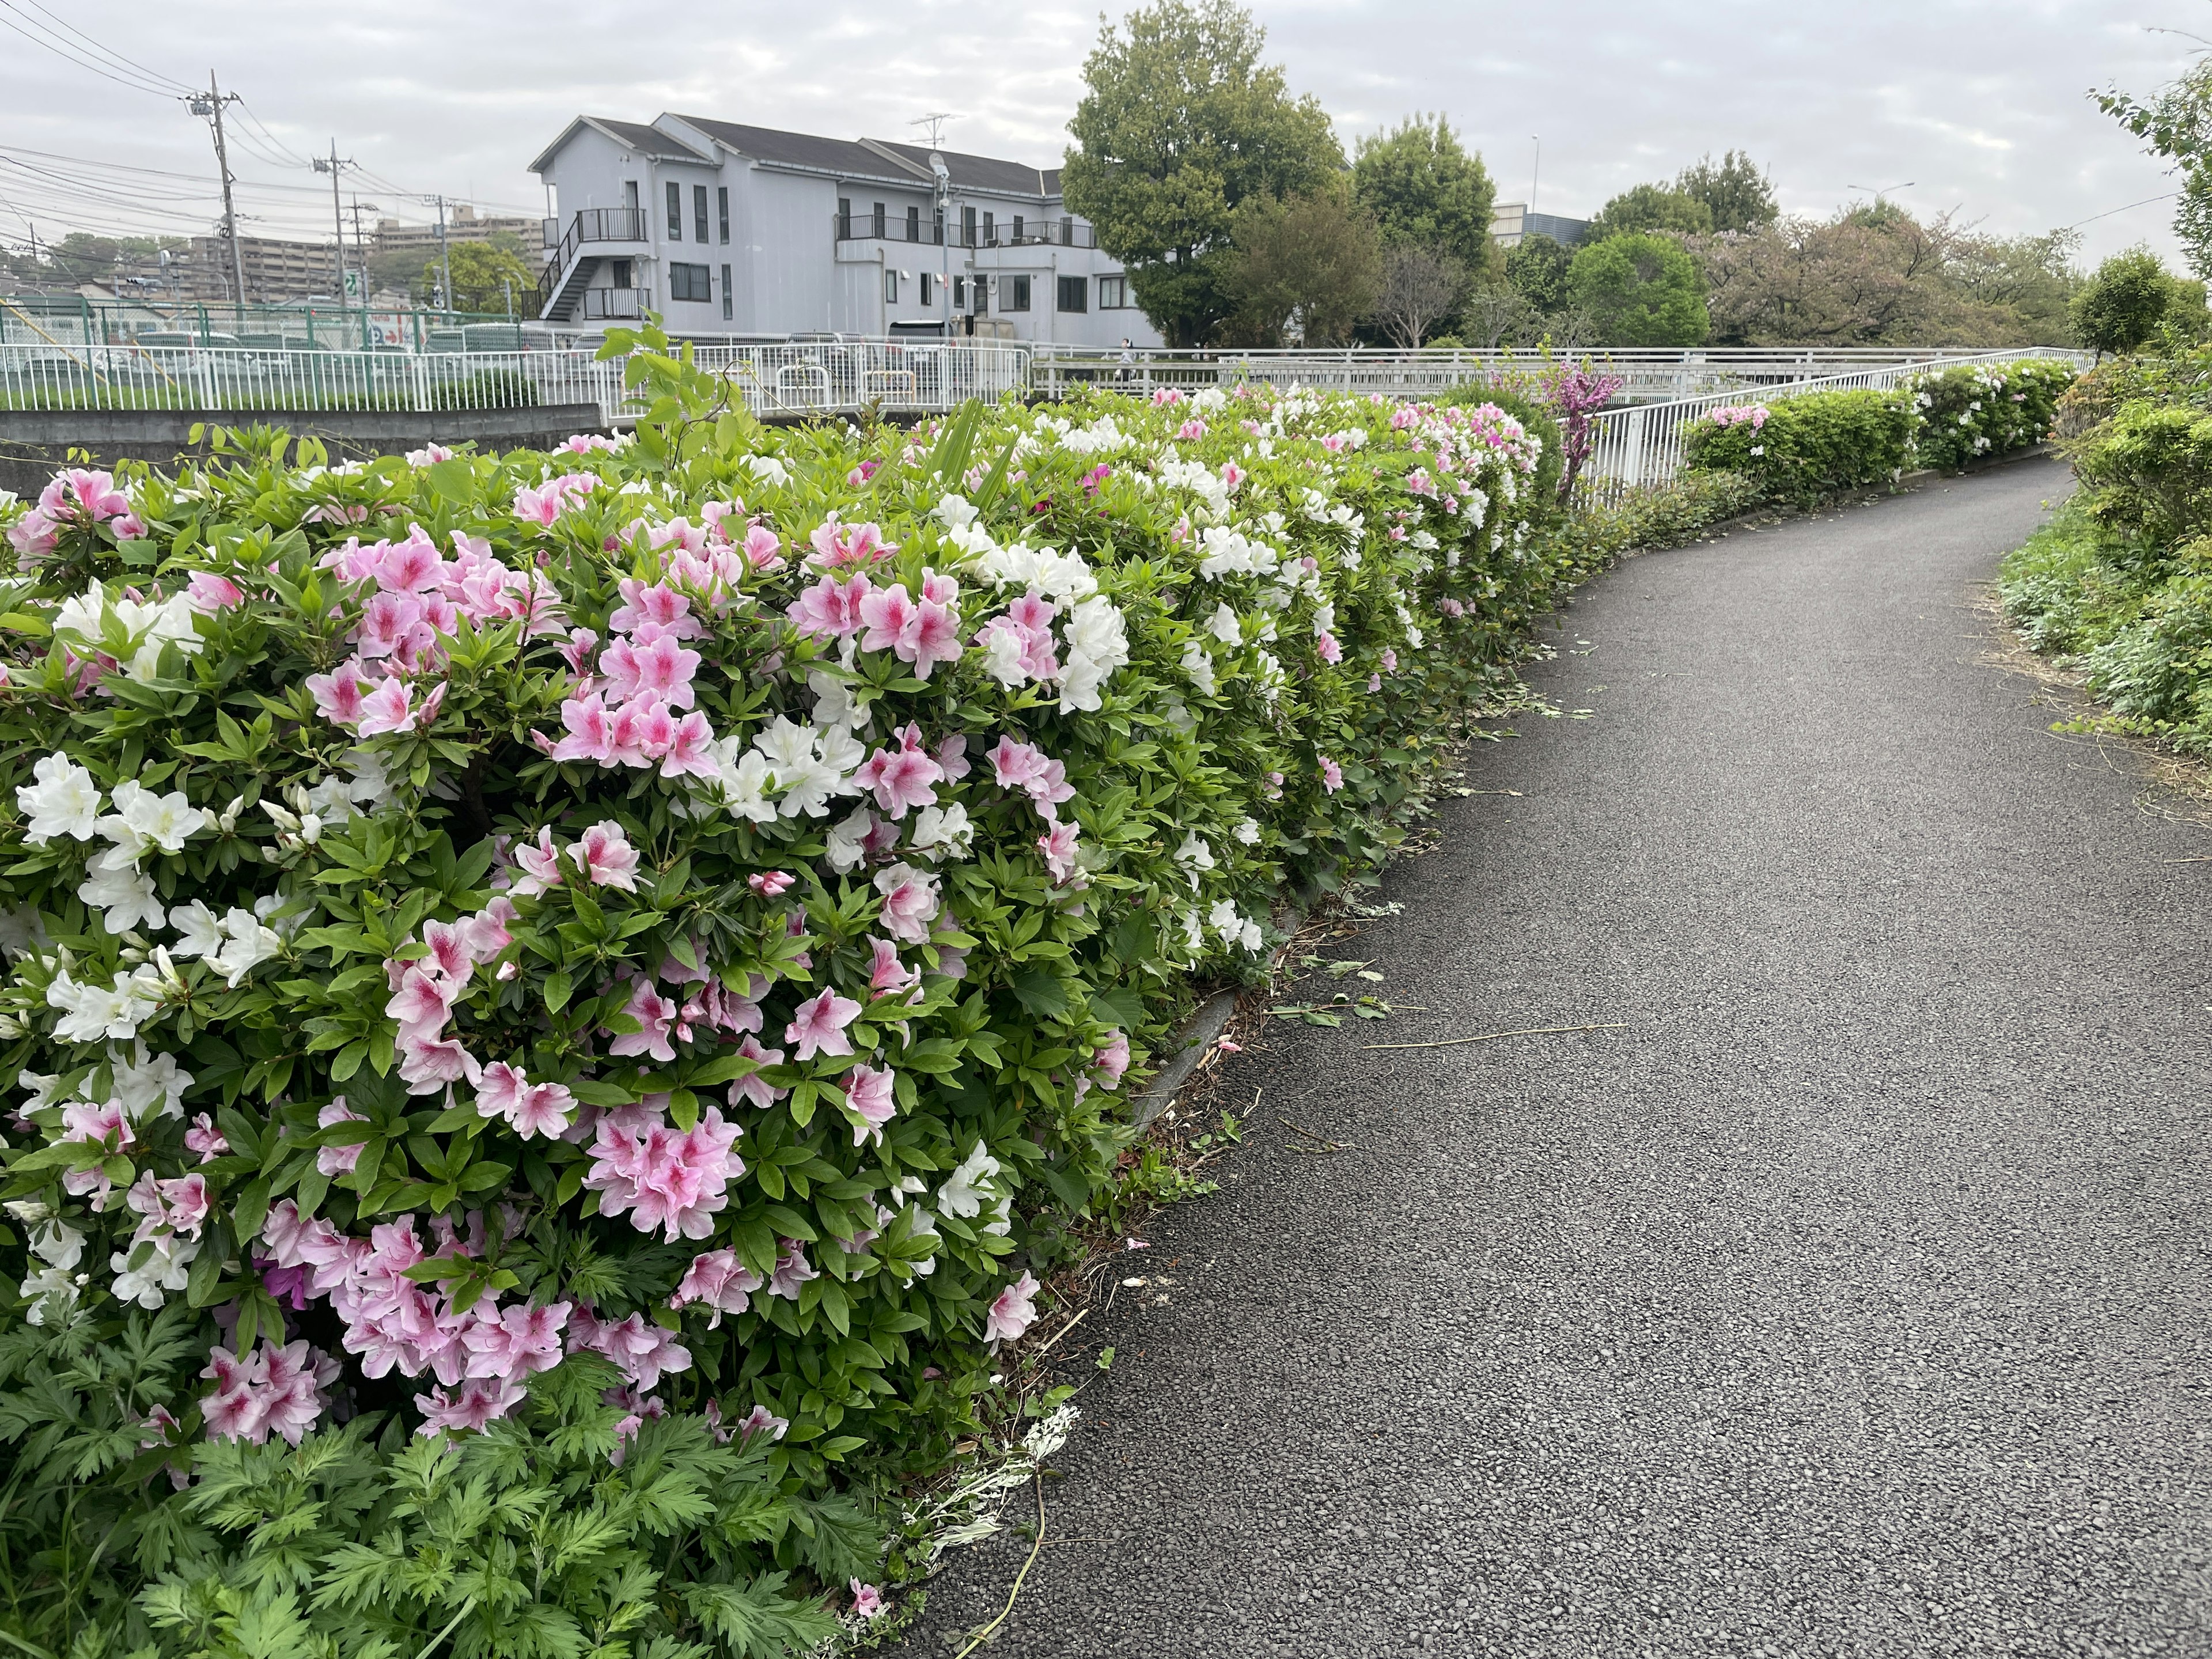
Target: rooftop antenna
x=935, y=122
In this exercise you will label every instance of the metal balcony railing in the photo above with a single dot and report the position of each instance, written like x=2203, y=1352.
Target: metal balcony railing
x=589, y=225
x=1024, y=232
x=615, y=303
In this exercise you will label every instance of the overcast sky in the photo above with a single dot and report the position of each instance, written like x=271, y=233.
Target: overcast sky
x=1980, y=104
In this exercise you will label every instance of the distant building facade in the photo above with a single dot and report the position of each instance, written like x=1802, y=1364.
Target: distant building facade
x=727, y=230
x=1511, y=221
x=463, y=224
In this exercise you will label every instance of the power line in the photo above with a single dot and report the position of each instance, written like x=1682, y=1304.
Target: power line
x=102, y=49
x=2108, y=213
x=65, y=53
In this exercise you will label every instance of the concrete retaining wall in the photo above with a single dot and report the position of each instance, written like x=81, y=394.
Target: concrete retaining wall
x=35, y=443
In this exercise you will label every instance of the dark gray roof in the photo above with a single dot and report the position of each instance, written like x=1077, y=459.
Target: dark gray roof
x=795, y=149
x=651, y=140
x=977, y=172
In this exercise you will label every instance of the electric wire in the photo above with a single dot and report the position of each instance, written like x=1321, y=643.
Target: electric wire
x=99, y=47
x=94, y=65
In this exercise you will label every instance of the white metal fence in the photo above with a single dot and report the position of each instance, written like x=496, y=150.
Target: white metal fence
x=900, y=377
x=1652, y=373
x=1643, y=444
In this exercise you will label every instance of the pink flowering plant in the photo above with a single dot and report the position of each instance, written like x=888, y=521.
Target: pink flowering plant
x=618, y=967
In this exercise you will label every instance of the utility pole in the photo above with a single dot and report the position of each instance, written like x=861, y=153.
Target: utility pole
x=444, y=258
x=210, y=106
x=360, y=263
x=332, y=166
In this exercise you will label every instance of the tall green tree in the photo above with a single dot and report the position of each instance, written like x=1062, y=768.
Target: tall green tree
x=1641, y=289
x=1739, y=197
x=1425, y=191
x=486, y=276
x=2126, y=302
x=1311, y=265
x=1642, y=208
x=1180, y=125
x=2176, y=124
x=1536, y=268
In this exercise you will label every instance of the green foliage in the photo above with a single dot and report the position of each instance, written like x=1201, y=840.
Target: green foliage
x=1179, y=125
x=1536, y=268
x=1225, y=745
x=1647, y=516
x=1812, y=446
x=1644, y=208
x=1735, y=193
x=1640, y=290
x=2128, y=301
x=2176, y=124
x=1424, y=190
x=1313, y=262
x=479, y=269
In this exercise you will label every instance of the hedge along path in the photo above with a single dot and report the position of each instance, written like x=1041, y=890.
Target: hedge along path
x=610, y=972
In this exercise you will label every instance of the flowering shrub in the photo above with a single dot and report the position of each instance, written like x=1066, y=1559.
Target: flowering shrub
x=1975, y=409
x=1803, y=447
x=612, y=970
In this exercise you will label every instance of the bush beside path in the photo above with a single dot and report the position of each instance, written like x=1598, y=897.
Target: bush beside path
x=1852, y=1301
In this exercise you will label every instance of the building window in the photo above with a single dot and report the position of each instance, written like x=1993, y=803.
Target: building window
x=937, y=228
x=722, y=208
x=959, y=293
x=990, y=230
x=619, y=273
x=967, y=226
x=689, y=281
x=1066, y=231
x=726, y=310
x=877, y=221
x=982, y=295
x=844, y=218
x=913, y=224
x=699, y=210
x=676, y=213
x=928, y=289
x=1013, y=294
x=1018, y=226
x=1113, y=293
x=1074, y=294
x=890, y=288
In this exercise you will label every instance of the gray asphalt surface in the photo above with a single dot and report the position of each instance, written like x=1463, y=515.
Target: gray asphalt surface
x=1853, y=1301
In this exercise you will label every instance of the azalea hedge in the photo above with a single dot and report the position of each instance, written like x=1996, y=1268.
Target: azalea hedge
x=562, y=1006
x=1803, y=448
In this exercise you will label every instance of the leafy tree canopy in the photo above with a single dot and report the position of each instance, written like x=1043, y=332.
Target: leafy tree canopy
x=1644, y=208
x=1641, y=289
x=1536, y=270
x=1737, y=195
x=1425, y=191
x=1181, y=125
x=1312, y=264
x=2176, y=124
x=2129, y=300
x=478, y=268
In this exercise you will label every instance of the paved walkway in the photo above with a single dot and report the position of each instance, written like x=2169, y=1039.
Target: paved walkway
x=1853, y=1301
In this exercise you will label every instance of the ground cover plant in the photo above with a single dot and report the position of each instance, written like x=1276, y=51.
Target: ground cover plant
x=2117, y=585
x=562, y=1006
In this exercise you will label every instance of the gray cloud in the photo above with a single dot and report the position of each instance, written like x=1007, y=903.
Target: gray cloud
x=1981, y=105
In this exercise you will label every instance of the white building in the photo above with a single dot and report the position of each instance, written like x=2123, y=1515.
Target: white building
x=729, y=230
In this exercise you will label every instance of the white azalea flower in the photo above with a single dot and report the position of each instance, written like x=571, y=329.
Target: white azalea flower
x=140, y=1082
x=943, y=830
x=57, y=1244
x=64, y=801
x=202, y=930
x=123, y=895
x=968, y=1188
x=166, y=1270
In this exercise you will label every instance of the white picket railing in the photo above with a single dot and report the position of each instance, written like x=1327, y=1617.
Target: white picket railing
x=898, y=377
x=1644, y=444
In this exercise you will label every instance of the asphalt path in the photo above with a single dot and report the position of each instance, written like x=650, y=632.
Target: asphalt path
x=1852, y=1301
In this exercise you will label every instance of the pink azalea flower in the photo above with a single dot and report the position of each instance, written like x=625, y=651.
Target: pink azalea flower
x=911, y=901
x=423, y=1001
x=590, y=730
x=690, y=750
x=477, y=1404
x=512, y=1343
x=760, y=1418
x=1013, y=1313
x=839, y=546
x=606, y=855
x=867, y=1601
x=1058, y=846
x=664, y=1179
x=868, y=1092
x=1326, y=649
x=772, y=884
x=1374, y=681
x=1332, y=775
x=1015, y=765
x=339, y=694
x=793, y=1269
x=664, y=669
x=902, y=778
x=209, y=593
x=886, y=613
x=206, y=1138
x=427, y=1063
x=830, y=609
x=818, y=1026
x=540, y=863
x=386, y=709
x=720, y=1281
x=887, y=975
x=953, y=756
x=338, y=1160
x=762, y=550
x=656, y=1014
x=1113, y=1060
x=755, y=1091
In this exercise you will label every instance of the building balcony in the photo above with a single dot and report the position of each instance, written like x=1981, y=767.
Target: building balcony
x=1018, y=232
x=614, y=304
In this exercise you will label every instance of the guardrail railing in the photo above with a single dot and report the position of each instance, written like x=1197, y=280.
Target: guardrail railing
x=1644, y=444
x=898, y=376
